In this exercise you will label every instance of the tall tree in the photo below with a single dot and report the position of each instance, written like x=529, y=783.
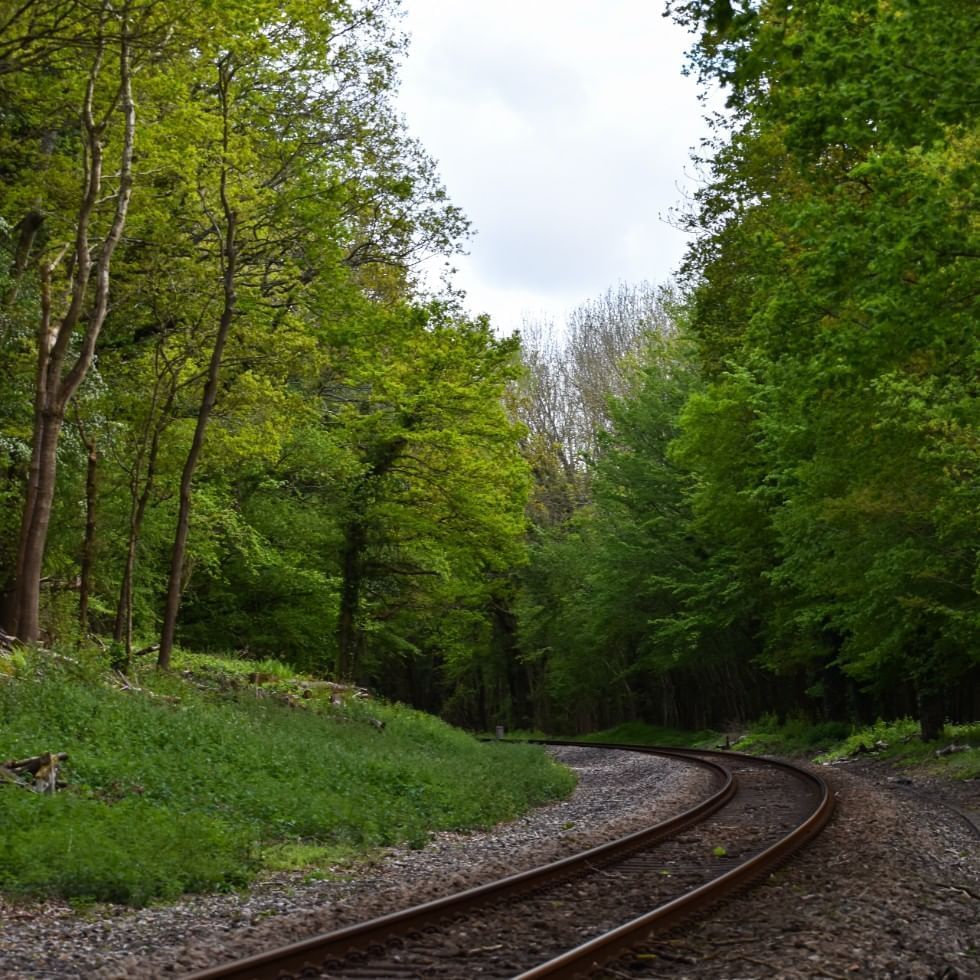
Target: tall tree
x=836, y=311
x=74, y=275
x=338, y=188
x=434, y=506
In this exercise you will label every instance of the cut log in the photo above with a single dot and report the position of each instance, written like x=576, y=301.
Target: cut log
x=44, y=769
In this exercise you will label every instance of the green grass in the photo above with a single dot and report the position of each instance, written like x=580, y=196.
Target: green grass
x=192, y=790
x=640, y=733
x=793, y=737
x=898, y=742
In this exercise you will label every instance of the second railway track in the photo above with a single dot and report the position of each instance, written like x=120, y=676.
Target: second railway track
x=567, y=918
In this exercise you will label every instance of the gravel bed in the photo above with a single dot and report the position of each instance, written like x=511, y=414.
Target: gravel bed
x=617, y=792
x=889, y=891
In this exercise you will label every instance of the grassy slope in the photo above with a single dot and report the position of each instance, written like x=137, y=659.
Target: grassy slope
x=199, y=789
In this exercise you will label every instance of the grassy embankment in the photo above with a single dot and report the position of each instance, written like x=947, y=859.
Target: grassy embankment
x=896, y=742
x=198, y=783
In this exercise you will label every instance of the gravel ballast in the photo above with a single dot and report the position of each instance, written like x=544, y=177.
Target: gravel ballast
x=892, y=889
x=889, y=891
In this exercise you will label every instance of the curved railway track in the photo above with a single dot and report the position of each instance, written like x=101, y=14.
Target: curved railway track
x=565, y=919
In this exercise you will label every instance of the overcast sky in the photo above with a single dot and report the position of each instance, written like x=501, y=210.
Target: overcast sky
x=563, y=130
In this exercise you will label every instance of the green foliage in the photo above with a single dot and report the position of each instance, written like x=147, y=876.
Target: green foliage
x=795, y=736
x=352, y=418
x=218, y=667
x=394, y=512
x=131, y=851
x=898, y=742
x=186, y=790
x=834, y=312
x=641, y=733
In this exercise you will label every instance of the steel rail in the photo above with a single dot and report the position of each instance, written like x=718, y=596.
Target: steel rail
x=583, y=960
x=316, y=950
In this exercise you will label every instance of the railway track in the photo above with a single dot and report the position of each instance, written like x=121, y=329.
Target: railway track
x=565, y=919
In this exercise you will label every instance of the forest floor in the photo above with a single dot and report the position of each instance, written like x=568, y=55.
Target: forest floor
x=890, y=890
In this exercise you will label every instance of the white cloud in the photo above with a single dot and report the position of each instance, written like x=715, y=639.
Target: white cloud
x=562, y=128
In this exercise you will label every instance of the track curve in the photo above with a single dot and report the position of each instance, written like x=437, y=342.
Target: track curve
x=648, y=876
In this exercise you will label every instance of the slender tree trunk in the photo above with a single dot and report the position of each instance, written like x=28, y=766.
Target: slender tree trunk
x=27, y=230
x=124, y=605
x=139, y=502
x=929, y=693
x=932, y=715
x=349, y=636
x=88, y=542
x=56, y=387
x=122, y=631
x=350, y=599
x=175, y=582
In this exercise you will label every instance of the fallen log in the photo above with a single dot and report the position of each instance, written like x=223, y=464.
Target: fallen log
x=337, y=690
x=44, y=769
x=122, y=683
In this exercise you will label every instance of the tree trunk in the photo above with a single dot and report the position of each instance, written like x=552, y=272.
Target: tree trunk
x=932, y=715
x=349, y=637
x=35, y=521
x=350, y=599
x=88, y=543
x=139, y=501
x=175, y=582
x=27, y=230
x=55, y=387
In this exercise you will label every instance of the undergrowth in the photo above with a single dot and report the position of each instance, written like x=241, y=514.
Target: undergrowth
x=825, y=742
x=896, y=741
x=899, y=743
x=195, y=784
x=792, y=737
x=640, y=733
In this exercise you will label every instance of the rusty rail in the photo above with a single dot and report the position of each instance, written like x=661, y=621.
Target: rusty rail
x=312, y=953
x=584, y=959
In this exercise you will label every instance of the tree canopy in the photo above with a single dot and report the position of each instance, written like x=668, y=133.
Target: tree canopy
x=231, y=414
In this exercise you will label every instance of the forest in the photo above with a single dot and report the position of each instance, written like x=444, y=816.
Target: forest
x=235, y=418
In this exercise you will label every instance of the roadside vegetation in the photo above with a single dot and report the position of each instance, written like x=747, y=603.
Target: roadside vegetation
x=199, y=780
x=639, y=732
x=956, y=755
